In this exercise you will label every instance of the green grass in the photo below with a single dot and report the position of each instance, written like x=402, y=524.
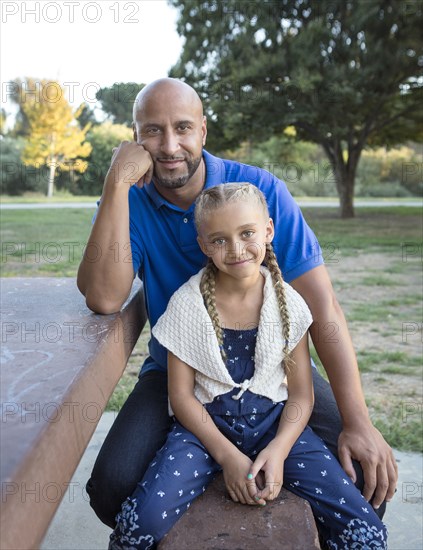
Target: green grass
x=402, y=430
x=384, y=229
x=378, y=280
x=43, y=242
x=404, y=363
x=121, y=392
x=384, y=309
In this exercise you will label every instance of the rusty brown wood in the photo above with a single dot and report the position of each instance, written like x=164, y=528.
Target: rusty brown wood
x=59, y=365
x=215, y=522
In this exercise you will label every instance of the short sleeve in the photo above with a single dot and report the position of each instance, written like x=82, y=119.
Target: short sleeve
x=136, y=246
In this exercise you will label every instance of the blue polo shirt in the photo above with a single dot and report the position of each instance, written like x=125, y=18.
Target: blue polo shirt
x=165, y=252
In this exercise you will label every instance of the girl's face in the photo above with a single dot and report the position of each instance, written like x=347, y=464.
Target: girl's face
x=235, y=238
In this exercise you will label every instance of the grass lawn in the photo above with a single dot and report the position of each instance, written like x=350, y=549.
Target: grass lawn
x=375, y=265
x=43, y=242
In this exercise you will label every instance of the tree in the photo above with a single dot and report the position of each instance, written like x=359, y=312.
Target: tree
x=3, y=117
x=55, y=138
x=117, y=101
x=14, y=176
x=19, y=91
x=344, y=73
x=87, y=116
x=103, y=138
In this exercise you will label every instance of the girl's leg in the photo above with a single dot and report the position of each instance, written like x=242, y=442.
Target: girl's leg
x=344, y=518
x=178, y=474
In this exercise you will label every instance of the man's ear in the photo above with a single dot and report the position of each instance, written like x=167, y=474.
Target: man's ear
x=134, y=129
x=204, y=130
x=270, y=231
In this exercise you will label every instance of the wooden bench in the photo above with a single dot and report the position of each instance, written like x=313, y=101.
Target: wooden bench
x=60, y=364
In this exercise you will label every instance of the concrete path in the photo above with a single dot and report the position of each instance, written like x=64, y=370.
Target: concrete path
x=303, y=203
x=75, y=526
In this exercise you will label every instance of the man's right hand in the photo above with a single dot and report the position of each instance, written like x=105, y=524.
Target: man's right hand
x=131, y=165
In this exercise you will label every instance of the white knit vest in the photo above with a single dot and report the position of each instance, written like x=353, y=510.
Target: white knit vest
x=185, y=329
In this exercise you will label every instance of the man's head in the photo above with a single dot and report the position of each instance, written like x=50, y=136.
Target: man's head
x=169, y=123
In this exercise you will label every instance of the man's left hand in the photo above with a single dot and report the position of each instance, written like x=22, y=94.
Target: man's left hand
x=377, y=460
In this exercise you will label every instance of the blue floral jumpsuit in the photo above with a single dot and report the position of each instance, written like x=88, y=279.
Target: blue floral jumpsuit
x=182, y=469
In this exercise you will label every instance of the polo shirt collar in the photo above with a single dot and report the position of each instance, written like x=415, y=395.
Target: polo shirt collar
x=155, y=196
x=215, y=174
x=215, y=170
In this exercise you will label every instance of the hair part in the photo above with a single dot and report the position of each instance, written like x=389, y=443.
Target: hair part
x=227, y=193
x=210, y=200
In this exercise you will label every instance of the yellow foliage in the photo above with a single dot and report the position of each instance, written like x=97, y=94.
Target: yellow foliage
x=290, y=131
x=388, y=158
x=119, y=132
x=55, y=137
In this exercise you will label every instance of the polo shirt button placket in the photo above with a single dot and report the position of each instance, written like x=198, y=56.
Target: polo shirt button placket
x=187, y=233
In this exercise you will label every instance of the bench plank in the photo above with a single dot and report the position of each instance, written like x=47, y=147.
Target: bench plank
x=60, y=364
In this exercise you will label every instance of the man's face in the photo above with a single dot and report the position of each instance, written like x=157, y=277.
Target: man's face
x=173, y=131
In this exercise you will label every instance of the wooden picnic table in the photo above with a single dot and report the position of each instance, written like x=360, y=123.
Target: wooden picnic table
x=59, y=365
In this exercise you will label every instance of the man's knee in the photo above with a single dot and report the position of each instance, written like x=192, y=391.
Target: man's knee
x=101, y=505
x=108, y=488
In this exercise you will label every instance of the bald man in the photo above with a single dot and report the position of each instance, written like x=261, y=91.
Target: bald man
x=147, y=208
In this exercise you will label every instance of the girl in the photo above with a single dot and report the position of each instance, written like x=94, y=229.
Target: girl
x=240, y=387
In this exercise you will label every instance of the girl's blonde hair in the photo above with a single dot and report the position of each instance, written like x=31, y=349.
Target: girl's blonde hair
x=212, y=199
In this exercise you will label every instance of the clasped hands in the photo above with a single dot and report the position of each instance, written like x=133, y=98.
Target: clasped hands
x=255, y=482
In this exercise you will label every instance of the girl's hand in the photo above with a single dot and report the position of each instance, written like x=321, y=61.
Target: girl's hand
x=235, y=473
x=269, y=462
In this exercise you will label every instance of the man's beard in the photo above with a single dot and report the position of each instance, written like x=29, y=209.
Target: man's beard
x=180, y=181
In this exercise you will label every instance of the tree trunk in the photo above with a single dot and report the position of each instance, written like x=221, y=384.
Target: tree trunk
x=51, y=179
x=346, y=195
x=344, y=175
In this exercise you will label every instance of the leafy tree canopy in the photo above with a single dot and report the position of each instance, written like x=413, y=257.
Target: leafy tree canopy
x=86, y=116
x=117, y=101
x=344, y=73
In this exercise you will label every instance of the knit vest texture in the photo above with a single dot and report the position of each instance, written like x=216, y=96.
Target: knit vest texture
x=186, y=330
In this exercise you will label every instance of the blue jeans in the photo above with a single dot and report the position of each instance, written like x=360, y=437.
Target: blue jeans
x=141, y=428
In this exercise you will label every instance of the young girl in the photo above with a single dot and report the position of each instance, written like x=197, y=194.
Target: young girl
x=240, y=387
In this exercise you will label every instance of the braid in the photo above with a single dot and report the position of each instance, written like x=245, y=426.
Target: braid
x=275, y=272
x=207, y=288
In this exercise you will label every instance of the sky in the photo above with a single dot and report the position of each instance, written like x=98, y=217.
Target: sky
x=86, y=44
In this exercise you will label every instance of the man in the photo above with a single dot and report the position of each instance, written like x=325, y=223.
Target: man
x=146, y=210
